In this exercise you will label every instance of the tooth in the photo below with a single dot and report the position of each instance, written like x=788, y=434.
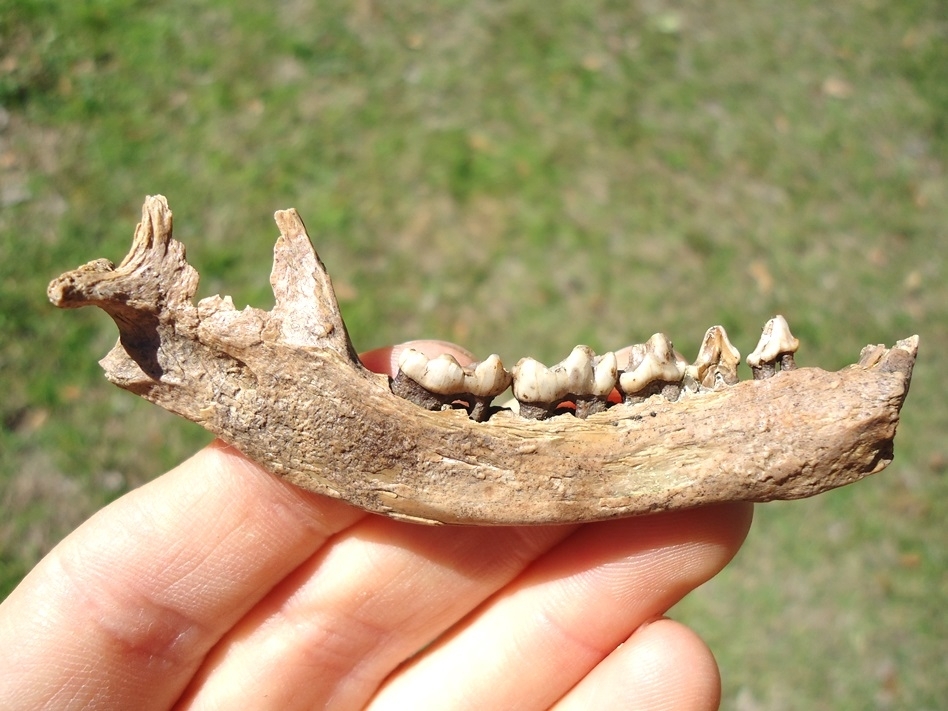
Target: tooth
x=484, y=381
x=605, y=374
x=577, y=369
x=431, y=383
x=776, y=344
x=441, y=382
x=413, y=364
x=590, y=379
x=654, y=367
x=487, y=378
x=442, y=375
x=535, y=384
x=717, y=361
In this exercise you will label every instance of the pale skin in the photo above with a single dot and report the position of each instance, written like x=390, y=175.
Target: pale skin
x=218, y=586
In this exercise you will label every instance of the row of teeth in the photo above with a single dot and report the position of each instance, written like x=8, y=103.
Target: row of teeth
x=587, y=381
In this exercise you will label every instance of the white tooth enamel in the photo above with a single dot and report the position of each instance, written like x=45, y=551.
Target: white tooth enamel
x=775, y=341
x=487, y=378
x=604, y=374
x=534, y=382
x=717, y=356
x=658, y=361
x=442, y=375
x=577, y=370
x=413, y=364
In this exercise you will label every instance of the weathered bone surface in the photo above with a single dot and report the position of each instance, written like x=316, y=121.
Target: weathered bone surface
x=286, y=388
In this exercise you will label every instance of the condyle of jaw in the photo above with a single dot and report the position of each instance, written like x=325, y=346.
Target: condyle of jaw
x=585, y=380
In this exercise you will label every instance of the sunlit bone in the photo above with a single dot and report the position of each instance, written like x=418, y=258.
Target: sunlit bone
x=581, y=377
x=717, y=361
x=654, y=367
x=286, y=389
x=776, y=344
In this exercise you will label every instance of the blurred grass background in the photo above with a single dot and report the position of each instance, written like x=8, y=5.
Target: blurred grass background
x=517, y=177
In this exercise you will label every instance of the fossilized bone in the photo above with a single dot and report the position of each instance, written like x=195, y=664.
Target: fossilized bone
x=287, y=389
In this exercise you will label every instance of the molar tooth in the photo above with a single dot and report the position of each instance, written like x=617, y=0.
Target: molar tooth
x=538, y=388
x=776, y=344
x=581, y=377
x=442, y=375
x=431, y=383
x=654, y=367
x=413, y=364
x=717, y=361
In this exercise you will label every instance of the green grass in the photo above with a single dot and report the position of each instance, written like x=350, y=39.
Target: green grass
x=520, y=179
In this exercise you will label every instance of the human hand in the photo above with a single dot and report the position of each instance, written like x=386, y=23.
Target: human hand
x=218, y=585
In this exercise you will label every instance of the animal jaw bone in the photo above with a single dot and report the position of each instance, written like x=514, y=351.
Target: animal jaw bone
x=286, y=388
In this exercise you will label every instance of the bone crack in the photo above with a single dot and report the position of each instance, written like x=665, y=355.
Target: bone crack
x=286, y=388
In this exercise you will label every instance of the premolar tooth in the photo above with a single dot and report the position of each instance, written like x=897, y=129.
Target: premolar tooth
x=717, y=361
x=654, y=367
x=487, y=378
x=483, y=382
x=776, y=344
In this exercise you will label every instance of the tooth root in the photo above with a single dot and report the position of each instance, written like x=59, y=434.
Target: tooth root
x=717, y=361
x=776, y=345
x=654, y=367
